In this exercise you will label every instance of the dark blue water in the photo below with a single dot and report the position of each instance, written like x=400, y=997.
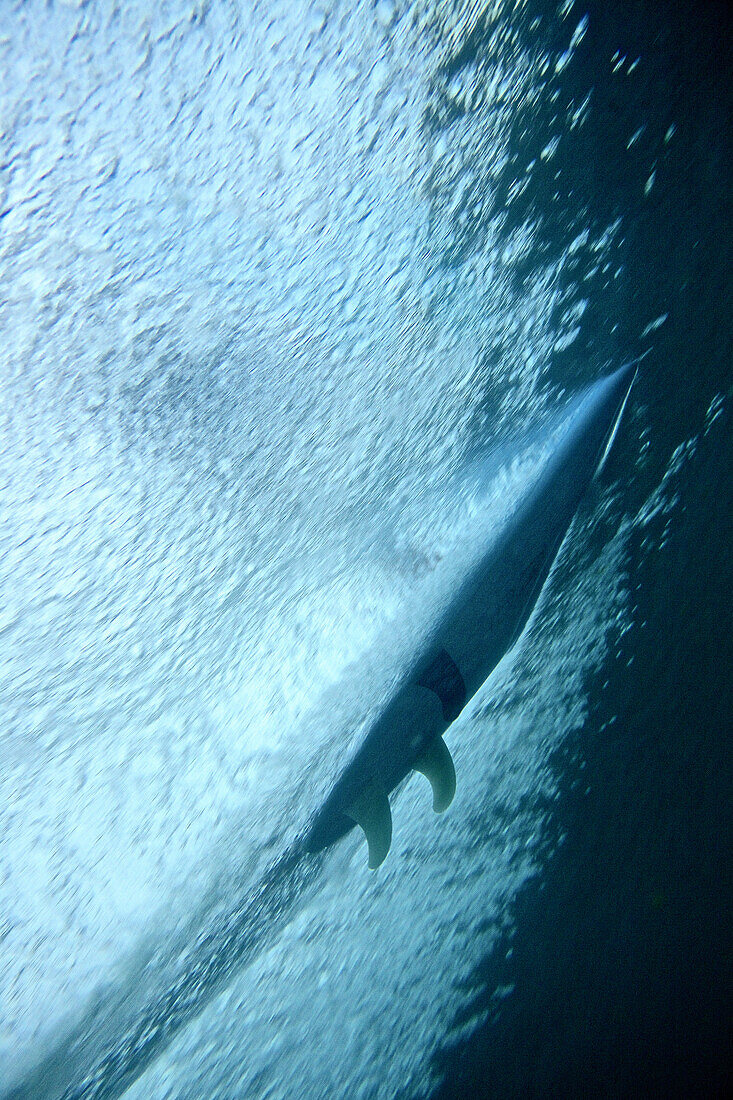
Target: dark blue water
x=622, y=958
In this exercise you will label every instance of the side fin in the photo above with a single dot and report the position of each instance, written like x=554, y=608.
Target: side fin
x=370, y=810
x=436, y=764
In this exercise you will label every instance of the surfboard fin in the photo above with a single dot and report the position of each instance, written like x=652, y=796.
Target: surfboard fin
x=371, y=812
x=436, y=764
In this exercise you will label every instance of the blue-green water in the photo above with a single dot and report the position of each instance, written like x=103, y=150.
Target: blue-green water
x=269, y=276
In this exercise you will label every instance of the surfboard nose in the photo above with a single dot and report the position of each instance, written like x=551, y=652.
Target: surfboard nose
x=607, y=400
x=620, y=382
x=602, y=400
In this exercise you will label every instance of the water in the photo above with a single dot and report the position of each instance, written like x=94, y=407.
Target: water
x=268, y=279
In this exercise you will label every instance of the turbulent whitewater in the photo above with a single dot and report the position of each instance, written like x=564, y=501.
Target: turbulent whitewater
x=266, y=282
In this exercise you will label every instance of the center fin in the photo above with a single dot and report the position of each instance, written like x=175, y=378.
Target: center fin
x=436, y=764
x=370, y=810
